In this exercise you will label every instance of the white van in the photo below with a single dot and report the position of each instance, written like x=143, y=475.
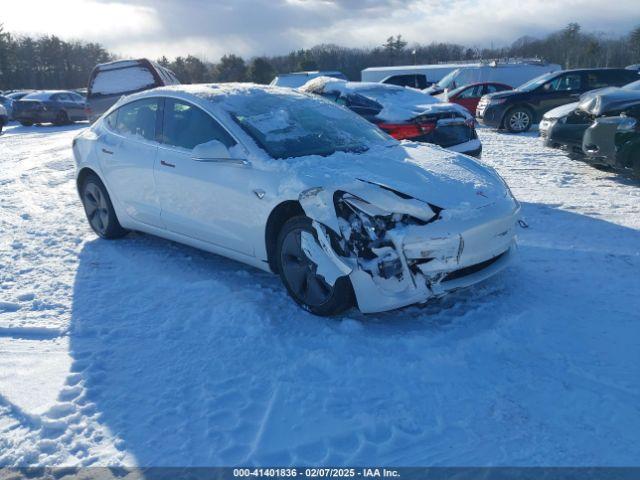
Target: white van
x=512, y=74
x=416, y=76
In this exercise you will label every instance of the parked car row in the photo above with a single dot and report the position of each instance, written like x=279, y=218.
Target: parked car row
x=59, y=107
x=603, y=127
x=405, y=114
x=517, y=110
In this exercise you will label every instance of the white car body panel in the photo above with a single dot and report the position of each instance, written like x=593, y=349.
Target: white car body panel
x=126, y=164
x=223, y=207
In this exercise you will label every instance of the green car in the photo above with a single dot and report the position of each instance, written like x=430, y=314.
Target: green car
x=615, y=141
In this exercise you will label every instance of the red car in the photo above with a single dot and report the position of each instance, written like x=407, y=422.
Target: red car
x=469, y=95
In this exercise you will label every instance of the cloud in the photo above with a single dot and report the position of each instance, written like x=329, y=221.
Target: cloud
x=254, y=27
x=81, y=19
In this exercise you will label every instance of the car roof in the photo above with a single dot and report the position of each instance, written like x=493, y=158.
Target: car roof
x=203, y=90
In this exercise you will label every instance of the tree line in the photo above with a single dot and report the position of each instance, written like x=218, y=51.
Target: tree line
x=50, y=62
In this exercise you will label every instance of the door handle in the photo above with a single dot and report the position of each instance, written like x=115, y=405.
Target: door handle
x=108, y=152
x=167, y=164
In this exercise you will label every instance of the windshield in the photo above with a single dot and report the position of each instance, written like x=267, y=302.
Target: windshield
x=389, y=94
x=448, y=81
x=288, y=125
x=536, y=82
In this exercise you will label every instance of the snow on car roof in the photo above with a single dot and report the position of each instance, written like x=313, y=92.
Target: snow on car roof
x=427, y=66
x=398, y=103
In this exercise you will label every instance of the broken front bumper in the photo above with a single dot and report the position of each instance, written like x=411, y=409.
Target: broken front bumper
x=453, y=252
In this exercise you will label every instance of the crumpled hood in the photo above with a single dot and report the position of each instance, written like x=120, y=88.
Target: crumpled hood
x=608, y=100
x=425, y=172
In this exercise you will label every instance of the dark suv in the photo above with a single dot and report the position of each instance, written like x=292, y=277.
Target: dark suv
x=518, y=109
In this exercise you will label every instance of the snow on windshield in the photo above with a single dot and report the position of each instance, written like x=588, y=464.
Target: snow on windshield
x=123, y=80
x=289, y=124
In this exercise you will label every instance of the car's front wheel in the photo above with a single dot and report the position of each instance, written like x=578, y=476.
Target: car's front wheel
x=518, y=120
x=99, y=209
x=300, y=275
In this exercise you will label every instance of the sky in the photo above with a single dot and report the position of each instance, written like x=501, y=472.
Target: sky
x=211, y=28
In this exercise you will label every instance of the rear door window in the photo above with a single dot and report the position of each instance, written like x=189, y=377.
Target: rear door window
x=610, y=78
x=138, y=119
x=597, y=80
x=186, y=126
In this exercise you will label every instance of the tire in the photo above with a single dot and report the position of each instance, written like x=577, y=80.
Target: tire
x=518, y=120
x=26, y=123
x=298, y=273
x=99, y=209
x=61, y=118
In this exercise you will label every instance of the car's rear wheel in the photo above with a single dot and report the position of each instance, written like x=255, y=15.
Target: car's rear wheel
x=26, y=123
x=518, y=120
x=62, y=118
x=99, y=209
x=300, y=276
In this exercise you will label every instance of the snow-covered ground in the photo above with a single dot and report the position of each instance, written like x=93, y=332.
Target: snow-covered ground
x=145, y=352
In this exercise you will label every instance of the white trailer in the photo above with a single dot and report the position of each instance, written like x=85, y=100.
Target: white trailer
x=417, y=76
x=512, y=74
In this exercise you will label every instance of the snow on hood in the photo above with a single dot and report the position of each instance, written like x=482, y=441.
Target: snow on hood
x=425, y=172
x=399, y=104
x=561, y=111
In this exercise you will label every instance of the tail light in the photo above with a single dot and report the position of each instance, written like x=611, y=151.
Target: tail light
x=87, y=111
x=402, y=131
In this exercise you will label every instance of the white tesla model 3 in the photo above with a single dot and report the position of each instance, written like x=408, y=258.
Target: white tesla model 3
x=297, y=185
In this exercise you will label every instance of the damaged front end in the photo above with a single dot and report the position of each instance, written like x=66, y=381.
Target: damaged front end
x=398, y=250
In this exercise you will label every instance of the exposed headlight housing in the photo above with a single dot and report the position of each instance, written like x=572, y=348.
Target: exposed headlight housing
x=364, y=228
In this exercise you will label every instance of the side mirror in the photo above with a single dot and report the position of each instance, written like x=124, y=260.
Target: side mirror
x=211, y=150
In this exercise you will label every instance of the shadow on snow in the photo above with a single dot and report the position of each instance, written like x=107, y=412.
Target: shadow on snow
x=194, y=359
